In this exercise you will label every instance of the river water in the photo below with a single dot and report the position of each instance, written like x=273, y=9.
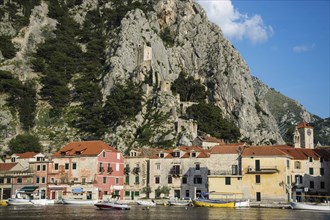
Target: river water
x=68, y=212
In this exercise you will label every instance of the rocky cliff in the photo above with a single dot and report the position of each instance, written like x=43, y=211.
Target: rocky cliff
x=151, y=45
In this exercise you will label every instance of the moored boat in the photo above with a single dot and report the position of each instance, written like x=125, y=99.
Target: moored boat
x=310, y=206
x=106, y=205
x=178, y=202
x=146, y=202
x=42, y=201
x=213, y=203
x=78, y=201
x=19, y=201
x=241, y=204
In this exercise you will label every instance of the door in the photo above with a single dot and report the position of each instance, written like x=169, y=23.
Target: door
x=258, y=195
x=177, y=193
x=257, y=163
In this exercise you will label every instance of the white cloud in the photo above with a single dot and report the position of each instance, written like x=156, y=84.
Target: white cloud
x=303, y=48
x=234, y=24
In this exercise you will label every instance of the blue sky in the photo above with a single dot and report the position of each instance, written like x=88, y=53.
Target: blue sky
x=284, y=42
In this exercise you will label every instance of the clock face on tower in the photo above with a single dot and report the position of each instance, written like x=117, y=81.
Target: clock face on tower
x=309, y=132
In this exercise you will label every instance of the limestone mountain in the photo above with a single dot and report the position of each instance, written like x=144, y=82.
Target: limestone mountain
x=132, y=73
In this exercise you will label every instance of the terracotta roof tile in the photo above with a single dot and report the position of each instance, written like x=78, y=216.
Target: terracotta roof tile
x=203, y=155
x=86, y=148
x=213, y=140
x=26, y=155
x=7, y=166
x=262, y=151
x=304, y=125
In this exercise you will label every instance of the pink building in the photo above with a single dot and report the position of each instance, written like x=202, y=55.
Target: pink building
x=86, y=170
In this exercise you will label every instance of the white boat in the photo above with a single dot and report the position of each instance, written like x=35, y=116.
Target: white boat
x=78, y=201
x=310, y=206
x=106, y=205
x=42, y=201
x=241, y=204
x=179, y=202
x=19, y=201
x=146, y=202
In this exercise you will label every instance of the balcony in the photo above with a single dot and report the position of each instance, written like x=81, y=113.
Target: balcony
x=222, y=173
x=262, y=170
x=176, y=172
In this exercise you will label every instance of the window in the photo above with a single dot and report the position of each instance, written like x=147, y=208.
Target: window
x=39, y=158
x=184, y=180
x=234, y=169
x=118, y=156
x=66, y=166
x=193, y=154
x=321, y=159
x=103, y=154
x=37, y=180
x=311, y=171
x=38, y=167
x=322, y=185
x=257, y=164
x=105, y=192
x=198, y=179
x=322, y=171
x=161, y=155
x=258, y=179
x=228, y=181
x=187, y=193
x=310, y=159
x=19, y=180
x=74, y=165
x=157, y=166
x=169, y=179
x=176, y=154
x=2, y=180
x=127, y=180
x=299, y=179
x=56, y=166
x=104, y=180
x=157, y=179
x=52, y=180
x=83, y=180
x=297, y=165
x=288, y=180
x=137, y=180
x=43, y=180
x=8, y=180
x=44, y=167
x=288, y=164
x=258, y=196
x=101, y=168
x=117, y=166
x=117, y=180
x=127, y=193
x=136, y=193
x=175, y=170
x=311, y=184
x=198, y=166
x=13, y=159
x=109, y=169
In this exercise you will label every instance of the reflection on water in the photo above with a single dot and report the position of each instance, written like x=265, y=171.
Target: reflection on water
x=69, y=212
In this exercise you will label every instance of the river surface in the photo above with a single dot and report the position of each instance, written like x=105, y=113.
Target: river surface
x=68, y=212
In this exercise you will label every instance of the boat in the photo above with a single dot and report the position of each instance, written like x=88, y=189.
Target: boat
x=213, y=203
x=241, y=204
x=179, y=202
x=79, y=201
x=106, y=205
x=42, y=201
x=19, y=201
x=146, y=202
x=310, y=206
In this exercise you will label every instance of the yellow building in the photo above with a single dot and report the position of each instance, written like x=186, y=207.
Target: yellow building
x=266, y=174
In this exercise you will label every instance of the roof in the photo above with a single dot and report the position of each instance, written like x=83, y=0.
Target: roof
x=85, y=148
x=26, y=155
x=262, y=151
x=227, y=149
x=212, y=139
x=304, y=125
x=7, y=166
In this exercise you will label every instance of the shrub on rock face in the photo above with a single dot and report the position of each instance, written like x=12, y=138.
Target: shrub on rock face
x=7, y=47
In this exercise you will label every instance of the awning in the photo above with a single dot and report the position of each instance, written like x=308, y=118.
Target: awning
x=77, y=190
x=28, y=189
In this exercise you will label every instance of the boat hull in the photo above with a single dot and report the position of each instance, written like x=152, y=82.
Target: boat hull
x=306, y=206
x=146, y=203
x=19, y=202
x=43, y=202
x=241, y=204
x=179, y=203
x=78, y=202
x=110, y=205
x=215, y=204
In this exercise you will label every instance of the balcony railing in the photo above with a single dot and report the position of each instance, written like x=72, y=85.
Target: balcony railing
x=264, y=169
x=222, y=173
x=176, y=172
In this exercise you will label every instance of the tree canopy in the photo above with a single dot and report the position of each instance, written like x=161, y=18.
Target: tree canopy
x=25, y=143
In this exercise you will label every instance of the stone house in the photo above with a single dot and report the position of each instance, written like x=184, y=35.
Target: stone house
x=86, y=170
